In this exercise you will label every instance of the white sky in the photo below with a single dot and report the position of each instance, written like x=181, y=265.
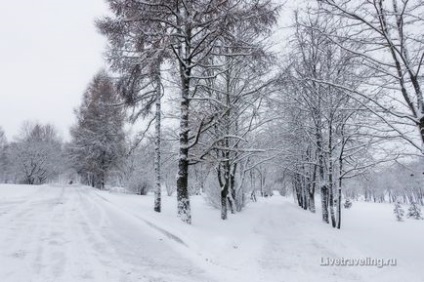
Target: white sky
x=49, y=51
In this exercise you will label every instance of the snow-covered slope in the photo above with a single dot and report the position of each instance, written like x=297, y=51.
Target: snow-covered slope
x=72, y=233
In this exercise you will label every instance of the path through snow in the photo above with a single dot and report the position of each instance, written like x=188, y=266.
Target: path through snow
x=74, y=233
x=66, y=233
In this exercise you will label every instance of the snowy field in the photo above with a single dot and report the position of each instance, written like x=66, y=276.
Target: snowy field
x=74, y=233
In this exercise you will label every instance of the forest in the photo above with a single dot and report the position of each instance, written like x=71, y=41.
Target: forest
x=223, y=99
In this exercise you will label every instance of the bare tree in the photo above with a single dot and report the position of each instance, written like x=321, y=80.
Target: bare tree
x=322, y=125
x=385, y=35
x=234, y=98
x=36, y=156
x=3, y=156
x=188, y=32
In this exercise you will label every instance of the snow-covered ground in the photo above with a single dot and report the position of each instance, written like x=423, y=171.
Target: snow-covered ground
x=74, y=233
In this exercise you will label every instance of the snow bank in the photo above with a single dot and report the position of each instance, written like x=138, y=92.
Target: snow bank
x=73, y=233
x=274, y=240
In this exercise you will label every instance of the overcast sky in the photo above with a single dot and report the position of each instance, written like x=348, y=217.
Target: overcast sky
x=49, y=51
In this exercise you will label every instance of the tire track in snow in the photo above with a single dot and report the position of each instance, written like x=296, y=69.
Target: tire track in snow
x=22, y=252
x=68, y=234
x=143, y=247
x=92, y=221
x=167, y=233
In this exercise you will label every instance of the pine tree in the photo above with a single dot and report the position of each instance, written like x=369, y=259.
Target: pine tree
x=98, y=139
x=414, y=211
x=398, y=211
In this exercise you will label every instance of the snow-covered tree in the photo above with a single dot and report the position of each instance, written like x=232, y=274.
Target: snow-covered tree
x=319, y=126
x=140, y=86
x=3, y=156
x=398, y=211
x=385, y=35
x=414, y=211
x=400, y=181
x=188, y=33
x=98, y=138
x=233, y=99
x=136, y=172
x=36, y=156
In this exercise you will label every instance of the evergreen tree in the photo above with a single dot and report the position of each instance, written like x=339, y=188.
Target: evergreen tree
x=398, y=211
x=414, y=211
x=98, y=138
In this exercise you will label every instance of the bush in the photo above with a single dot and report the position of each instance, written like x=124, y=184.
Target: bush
x=347, y=204
x=139, y=186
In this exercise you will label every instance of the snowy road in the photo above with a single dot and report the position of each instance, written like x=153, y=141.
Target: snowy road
x=68, y=233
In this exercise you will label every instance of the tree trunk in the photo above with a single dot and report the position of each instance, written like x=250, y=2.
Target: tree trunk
x=339, y=193
x=311, y=191
x=304, y=187
x=100, y=181
x=184, y=210
x=324, y=203
x=157, y=205
x=224, y=184
x=323, y=185
x=330, y=175
x=224, y=194
x=232, y=190
x=296, y=187
x=421, y=129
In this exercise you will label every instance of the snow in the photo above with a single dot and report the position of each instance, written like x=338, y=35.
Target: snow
x=75, y=233
x=68, y=234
